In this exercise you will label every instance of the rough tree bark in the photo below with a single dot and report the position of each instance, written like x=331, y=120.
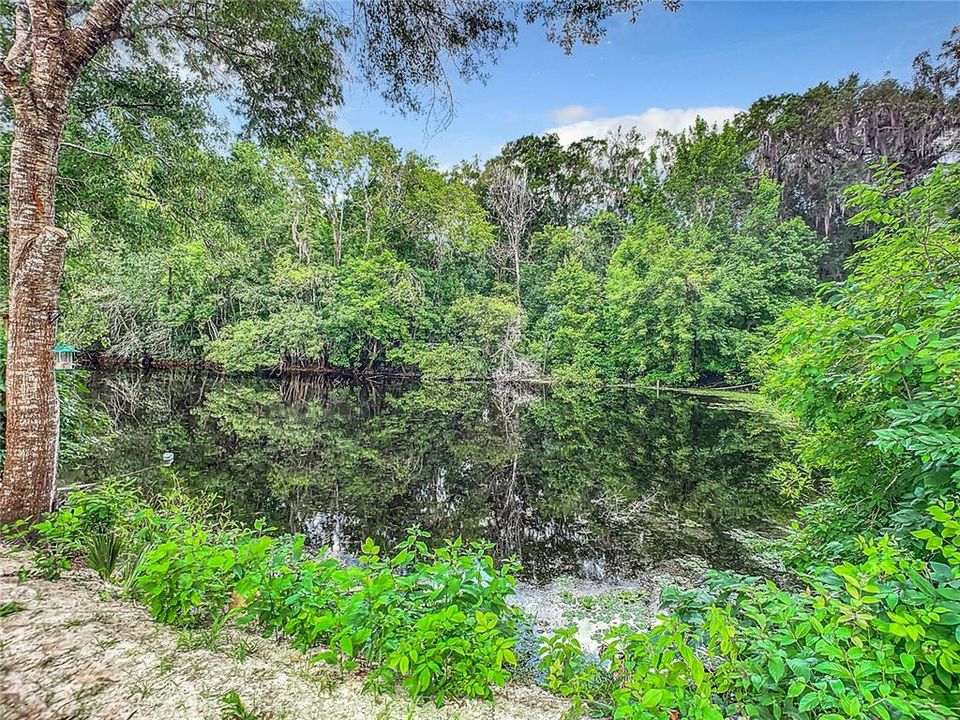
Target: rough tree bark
x=38, y=75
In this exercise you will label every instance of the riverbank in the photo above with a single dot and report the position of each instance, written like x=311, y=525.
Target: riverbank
x=72, y=649
x=95, y=362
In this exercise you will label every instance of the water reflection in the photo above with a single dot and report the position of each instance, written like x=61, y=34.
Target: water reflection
x=592, y=483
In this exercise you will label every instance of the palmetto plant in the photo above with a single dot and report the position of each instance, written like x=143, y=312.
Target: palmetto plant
x=131, y=566
x=102, y=554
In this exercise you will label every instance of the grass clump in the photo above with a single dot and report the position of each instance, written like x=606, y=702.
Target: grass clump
x=11, y=608
x=232, y=708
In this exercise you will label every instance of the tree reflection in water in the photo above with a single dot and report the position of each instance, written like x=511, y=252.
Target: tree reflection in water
x=571, y=480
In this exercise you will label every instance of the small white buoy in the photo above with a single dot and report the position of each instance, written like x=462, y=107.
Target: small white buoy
x=167, y=459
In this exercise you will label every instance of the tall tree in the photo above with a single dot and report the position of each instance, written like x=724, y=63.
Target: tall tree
x=512, y=203
x=279, y=61
x=818, y=142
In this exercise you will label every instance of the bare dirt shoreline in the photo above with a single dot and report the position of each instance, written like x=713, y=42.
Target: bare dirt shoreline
x=77, y=651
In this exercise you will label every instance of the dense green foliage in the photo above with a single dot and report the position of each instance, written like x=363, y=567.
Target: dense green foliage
x=707, y=267
x=432, y=620
x=344, y=252
x=661, y=258
x=819, y=142
x=872, y=369
x=875, y=639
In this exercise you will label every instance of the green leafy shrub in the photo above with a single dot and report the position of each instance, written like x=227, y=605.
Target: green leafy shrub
x=189, y=578
x=643, y=674
x=433, y=620
x=872, y=369
x=793, y=481
x=85, y=515
x=876, y=639
x=657, y=671
x=571, y=672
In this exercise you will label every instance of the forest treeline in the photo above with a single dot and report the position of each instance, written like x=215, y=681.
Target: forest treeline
x=608, y=257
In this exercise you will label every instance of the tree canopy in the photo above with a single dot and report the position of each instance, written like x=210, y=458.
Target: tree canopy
x=616, y=257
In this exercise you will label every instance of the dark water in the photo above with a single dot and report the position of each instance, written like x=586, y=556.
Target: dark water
x=572, y=481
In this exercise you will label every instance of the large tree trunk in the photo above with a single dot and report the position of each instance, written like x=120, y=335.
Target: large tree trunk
x=37, y=250
x=38, y=74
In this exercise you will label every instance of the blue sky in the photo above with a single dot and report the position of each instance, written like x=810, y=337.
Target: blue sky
x=712, y=55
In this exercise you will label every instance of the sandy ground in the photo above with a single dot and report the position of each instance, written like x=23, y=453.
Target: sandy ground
x=76, y=651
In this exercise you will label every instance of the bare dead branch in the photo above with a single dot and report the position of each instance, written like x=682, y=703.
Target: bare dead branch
x=85, y=149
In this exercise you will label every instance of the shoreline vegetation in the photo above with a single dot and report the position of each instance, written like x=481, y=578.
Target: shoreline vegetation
x=357, y=375
x=114, y=661
x=437, y=623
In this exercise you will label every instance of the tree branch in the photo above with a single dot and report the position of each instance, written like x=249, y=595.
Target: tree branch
x=101, y=26
x=18, y=54
x=84, y=148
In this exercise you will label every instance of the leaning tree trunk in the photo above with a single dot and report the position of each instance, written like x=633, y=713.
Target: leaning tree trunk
x=37, y=250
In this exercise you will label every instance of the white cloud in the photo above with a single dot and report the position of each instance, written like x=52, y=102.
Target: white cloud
x=570, y=114
x=647, y=123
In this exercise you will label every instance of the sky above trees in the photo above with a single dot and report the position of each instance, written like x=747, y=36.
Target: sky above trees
x=711, y=58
